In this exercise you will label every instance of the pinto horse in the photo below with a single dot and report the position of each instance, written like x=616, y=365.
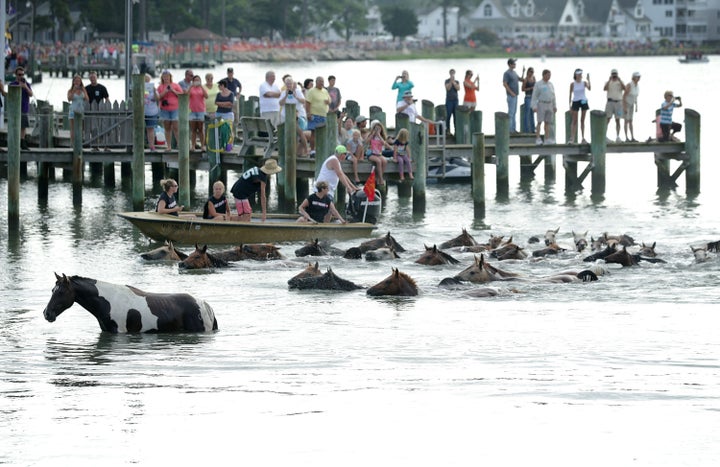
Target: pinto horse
x=201, y=259
x=398, y=284
x=123, y=308
x=166, y=252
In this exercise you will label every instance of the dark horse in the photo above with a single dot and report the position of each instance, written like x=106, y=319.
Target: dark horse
x=252, y=251
x=327, y=281
x=398, y=283
x=386, y=241
x=200, y=259
x=123, y=308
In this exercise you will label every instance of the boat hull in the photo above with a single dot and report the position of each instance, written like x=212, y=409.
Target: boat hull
x=277, y=228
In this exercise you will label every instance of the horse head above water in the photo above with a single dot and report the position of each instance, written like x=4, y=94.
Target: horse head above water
x=166, y=252
x=386, y=241
x=310, y=271
x=434, y=257
x=398, y=284
x=550, y=236
x=481, y=271
x=647, y=250
x=580, y=240
x=464, y=239
x=251, y=251
x=327, y=281
x=123, y=308
x=313, y=248
x=381, y=254
x=201, y=259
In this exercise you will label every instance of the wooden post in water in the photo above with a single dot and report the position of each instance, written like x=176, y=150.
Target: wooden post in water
x=427, y=109
x=502, y=150
x=77, y=160
x=418, y=148
x=402, y=120
x=476, y=122
x=523, y=124
x=692, y=149
x=598, y=147
x=138, y=163
x=568, y=126
x=322, y=152
x=332, y=130
x=281, y=144
x=352, y=109
x=45, y=115
x=184, y=149
x=376, y=113
x=13, y=103
x=288, y=177
x=462, y=125
x=478, y=176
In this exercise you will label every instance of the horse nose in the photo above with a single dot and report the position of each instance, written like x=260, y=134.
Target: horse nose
x=50, y=316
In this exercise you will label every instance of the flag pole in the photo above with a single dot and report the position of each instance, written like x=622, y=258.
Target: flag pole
x=367, y=199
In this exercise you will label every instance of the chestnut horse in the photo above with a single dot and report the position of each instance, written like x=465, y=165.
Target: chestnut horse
x=251, y=251
x=201, y=259
x=434, y=257
x=327, y=281
x=166, y=252
x=398, y=284
x=464, y=239
x=309, y=271
x=123, y=308
x=386, y=241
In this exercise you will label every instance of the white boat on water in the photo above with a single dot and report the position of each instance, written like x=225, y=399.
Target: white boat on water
x=693, y=57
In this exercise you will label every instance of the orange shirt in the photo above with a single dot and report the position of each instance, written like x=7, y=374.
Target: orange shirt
x=469, y=91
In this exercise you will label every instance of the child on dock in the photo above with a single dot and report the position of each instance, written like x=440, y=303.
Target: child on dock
x=402, y=154
x=666, y=111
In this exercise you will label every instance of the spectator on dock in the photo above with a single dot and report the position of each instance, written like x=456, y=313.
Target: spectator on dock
x=378, y=148
x=253, y=181
x=169, y=103
x=197, y=96
x=318, y=100
x=407, y=106
x=319, y=207
x=270, y=99
x=96, y=91
x=233, y=84
x=167, y=204
x=614, y=107
x=293, y=95
x=630, y=96
x=212, y=91
x=544, y=103
x=511, y=83
x=403, y=84
x=335, y=96
x=578, y=101
x=528, y=84
x=331, y=172
x=78, y=97
x=187, y=81
x=452, y=86
x=356, y=148
x=224, y=102
x=27, y=93
x=667, y=126
x=471, y=86
x=402, y=153
x=151, y=110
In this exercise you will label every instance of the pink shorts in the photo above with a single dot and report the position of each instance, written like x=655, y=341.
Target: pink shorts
x=243, y=206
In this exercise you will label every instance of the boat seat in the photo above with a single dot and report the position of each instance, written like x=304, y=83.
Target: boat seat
x=257, y=132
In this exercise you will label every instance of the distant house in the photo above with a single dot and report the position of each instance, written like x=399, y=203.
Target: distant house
x=542, y=19
x=430, y=24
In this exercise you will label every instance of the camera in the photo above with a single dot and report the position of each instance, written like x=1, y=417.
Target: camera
x=678, y=98
x=290, y=93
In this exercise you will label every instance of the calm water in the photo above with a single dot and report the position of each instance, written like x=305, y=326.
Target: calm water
x=623, y=371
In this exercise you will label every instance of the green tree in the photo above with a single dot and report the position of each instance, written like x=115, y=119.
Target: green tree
x=350, y=19
x=399, y=21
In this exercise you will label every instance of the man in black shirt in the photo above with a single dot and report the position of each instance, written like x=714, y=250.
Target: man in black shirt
x=96, y=92
x=233, y=84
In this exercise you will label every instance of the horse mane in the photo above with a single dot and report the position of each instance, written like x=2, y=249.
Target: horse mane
x=398, y=273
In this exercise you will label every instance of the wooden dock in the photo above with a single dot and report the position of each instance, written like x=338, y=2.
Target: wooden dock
x=471, y=144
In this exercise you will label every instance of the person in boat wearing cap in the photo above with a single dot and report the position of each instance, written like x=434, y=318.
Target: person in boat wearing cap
x=614, y=106
x=253, y=181
x=511, y=83
x=319, y=206
x=632, y=89
x=332, y=173
x=578, y=102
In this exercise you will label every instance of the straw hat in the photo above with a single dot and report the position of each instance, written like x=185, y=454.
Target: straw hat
x=271, y=167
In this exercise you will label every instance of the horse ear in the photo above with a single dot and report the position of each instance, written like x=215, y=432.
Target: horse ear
x=434, y=248
x=653, y=246
x=317, y=265
x=557, y=230
x=204, y=249
x=58, y=277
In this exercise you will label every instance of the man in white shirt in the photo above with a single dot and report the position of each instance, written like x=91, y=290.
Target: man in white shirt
x=270, y=99
x=544, y=104
x=407, y=106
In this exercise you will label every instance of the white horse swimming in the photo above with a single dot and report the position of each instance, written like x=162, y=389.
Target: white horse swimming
x=123, y=308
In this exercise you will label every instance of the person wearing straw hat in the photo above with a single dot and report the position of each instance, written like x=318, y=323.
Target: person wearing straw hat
x=251, y=182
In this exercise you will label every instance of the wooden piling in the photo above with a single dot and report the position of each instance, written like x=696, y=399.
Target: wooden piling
x=13, y=102
x=78, y=165
x=692, y=150
x=427, y=109
x=476, y=122
x=45, y=115
x=322, y=151
x=598, y=148
x=502, y=150
x=332, y=130
x=138, y=162
x=402, y=120
x=478, y=176
x=289, y=174
x=352, y=109
x=418, y=148
x=184, y=149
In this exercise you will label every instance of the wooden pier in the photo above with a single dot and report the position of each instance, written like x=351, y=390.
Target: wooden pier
x=471, y=144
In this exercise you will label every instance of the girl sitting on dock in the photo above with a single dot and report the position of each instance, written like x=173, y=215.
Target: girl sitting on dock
x=376, y=143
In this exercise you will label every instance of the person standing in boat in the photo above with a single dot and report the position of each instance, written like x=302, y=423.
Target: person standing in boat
x=217, y=206
x=251, y=182
x=167, y=204
x=319, y=206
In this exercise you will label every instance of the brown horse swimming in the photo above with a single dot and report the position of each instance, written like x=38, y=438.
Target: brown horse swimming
x=434, y=257
x=166, y=252
x=123, y=308
x=250, y=251
x=481, y=271
x=310, y=271
x=386, y=241
x=464, y=239
x=201, y=259
x=397, y=284
x=327, y=281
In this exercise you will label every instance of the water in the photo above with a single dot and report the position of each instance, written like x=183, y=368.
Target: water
x=623, y=371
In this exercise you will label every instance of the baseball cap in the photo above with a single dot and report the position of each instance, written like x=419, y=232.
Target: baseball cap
x=340, y=149
x=360, y=119
x=511, y=61
x=230, y=70
x=613, y=71
x=636, y=74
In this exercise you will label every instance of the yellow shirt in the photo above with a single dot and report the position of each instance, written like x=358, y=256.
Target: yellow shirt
x=210, y=101
x=318, y=99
